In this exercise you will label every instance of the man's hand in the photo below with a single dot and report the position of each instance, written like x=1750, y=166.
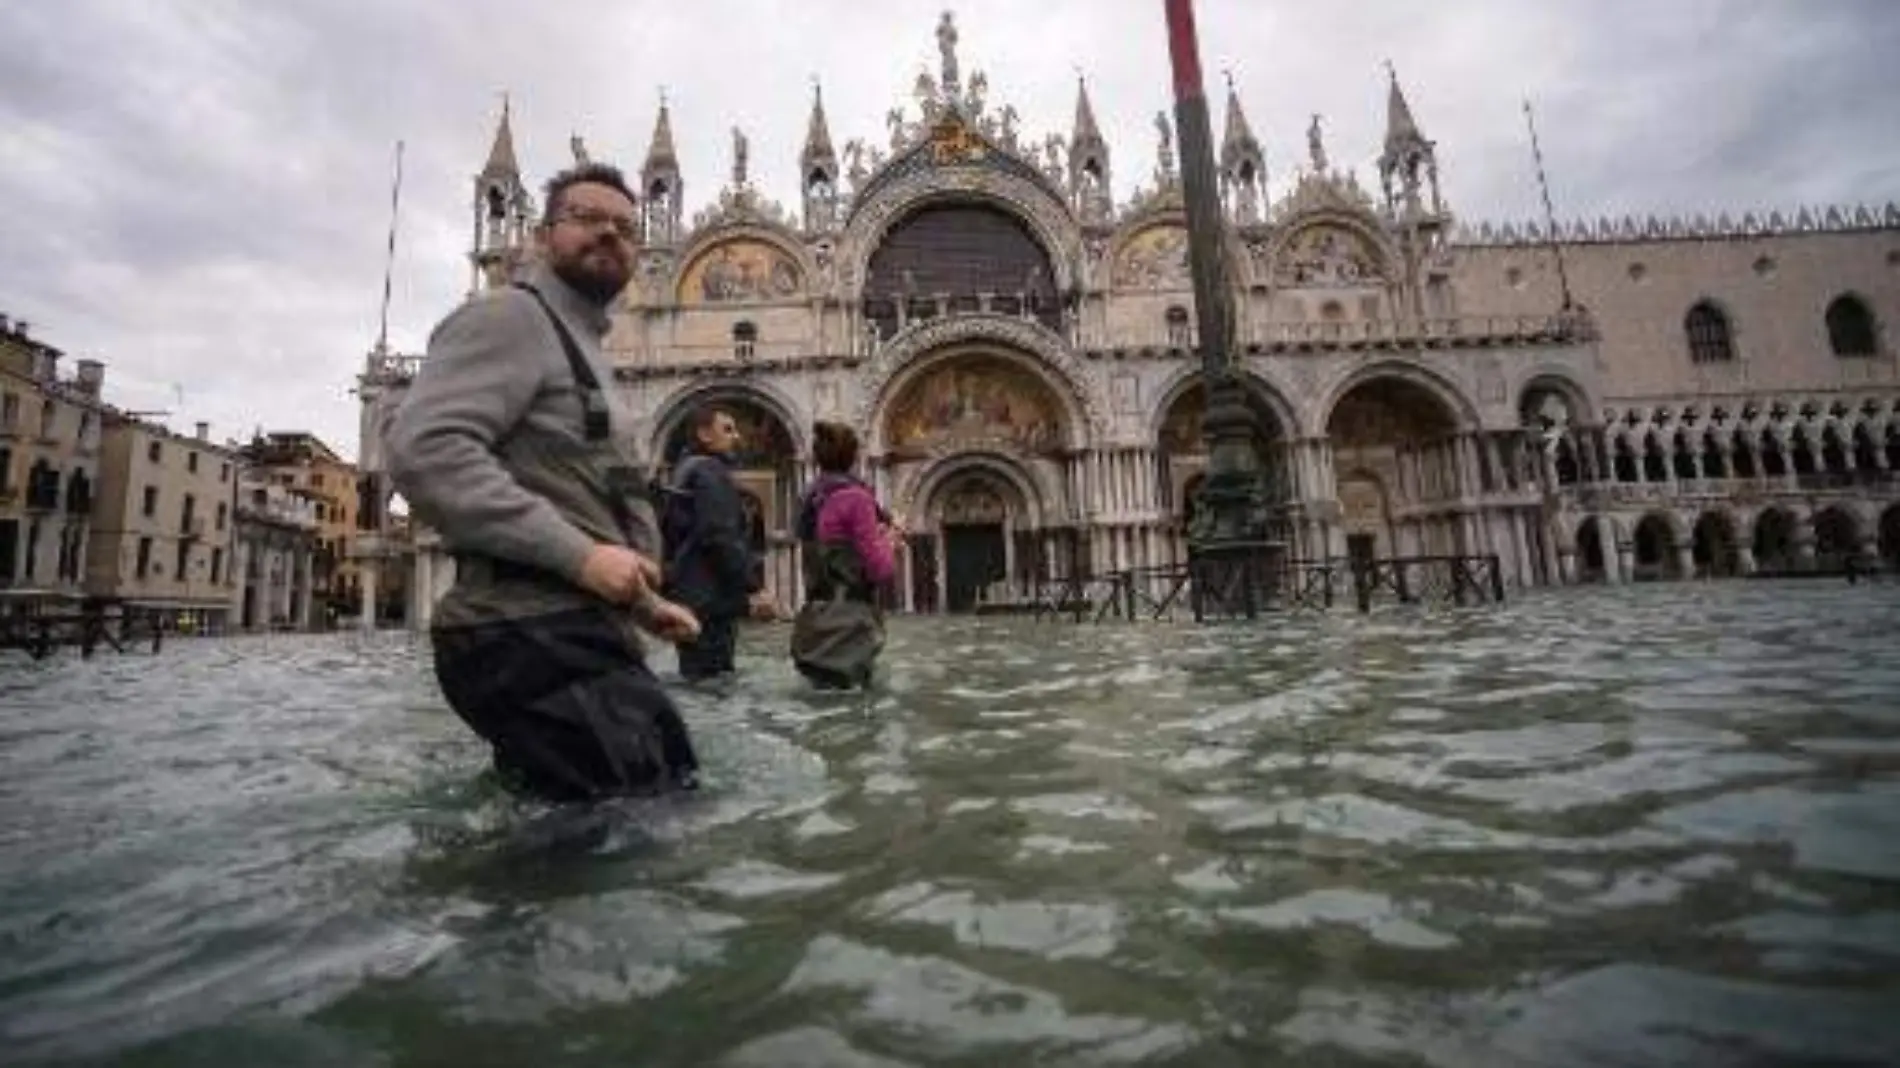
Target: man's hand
x=762, y=607
x=671, y=622
x=617, y=574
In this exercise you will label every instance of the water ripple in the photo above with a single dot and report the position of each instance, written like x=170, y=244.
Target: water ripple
x=1652, y=826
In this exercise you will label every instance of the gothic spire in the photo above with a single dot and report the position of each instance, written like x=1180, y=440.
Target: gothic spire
x=660, y=183
x=1087, y=133
x=1401, y=130
x=1238, y=144
x=660, y=153
x=1088, y=161
x=1243, y=163
x=818, y=152
x=501, y=155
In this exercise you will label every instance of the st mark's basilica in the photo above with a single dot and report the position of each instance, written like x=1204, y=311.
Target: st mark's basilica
x=1617, y=400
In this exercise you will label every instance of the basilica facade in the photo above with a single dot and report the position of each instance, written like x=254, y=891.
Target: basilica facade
x=1601, y=402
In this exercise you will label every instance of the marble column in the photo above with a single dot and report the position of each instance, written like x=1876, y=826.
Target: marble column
x=421, y=590
x=907, y=585
x=366, y=617
x=305, y=571
x=1612, y=555
x=1520, y=551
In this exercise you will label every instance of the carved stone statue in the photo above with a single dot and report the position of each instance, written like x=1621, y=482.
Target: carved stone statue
x=1164, y=171
x=895, y=120
x=739, y=153
x=947, y=49
x=1316, y=147
x=854, y=162
x=580, y=151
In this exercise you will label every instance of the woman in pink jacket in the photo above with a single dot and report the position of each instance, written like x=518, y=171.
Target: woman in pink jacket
x=849, y=549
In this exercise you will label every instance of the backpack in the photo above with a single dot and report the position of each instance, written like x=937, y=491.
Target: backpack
x=675, y=506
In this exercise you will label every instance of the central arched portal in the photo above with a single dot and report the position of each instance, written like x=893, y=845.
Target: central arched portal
x=971, y=438
x=1399, y=471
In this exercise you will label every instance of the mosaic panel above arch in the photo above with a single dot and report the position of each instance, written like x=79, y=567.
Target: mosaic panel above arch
x=1327, y=254
x=741, y=270
x=977, y=401
x=1155, y=257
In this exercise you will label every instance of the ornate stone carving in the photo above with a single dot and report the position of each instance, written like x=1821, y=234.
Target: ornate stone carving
x=974, y=499
x=740, y=152
x=651, y=274
x=1125, y=391
x=1164, y=150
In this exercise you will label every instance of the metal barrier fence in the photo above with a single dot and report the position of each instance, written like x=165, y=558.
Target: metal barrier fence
x=1246, y=589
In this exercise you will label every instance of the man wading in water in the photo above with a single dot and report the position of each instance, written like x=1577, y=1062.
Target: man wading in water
x=710, y=565
x=507, y=444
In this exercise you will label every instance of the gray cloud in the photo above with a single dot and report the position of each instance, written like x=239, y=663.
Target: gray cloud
x=198, y=189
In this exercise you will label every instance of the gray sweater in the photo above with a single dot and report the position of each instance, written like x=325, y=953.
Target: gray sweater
x=489, y=448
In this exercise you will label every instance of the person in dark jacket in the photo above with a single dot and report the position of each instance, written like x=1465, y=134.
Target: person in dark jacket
x=710, y=565
x=509, y=445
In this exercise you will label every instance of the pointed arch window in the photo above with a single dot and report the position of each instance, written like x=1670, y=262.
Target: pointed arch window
x=1850, y=327
x=1711, y=338
x=745, y=339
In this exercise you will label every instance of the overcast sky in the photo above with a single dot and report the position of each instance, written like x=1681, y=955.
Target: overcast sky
x=197, y=191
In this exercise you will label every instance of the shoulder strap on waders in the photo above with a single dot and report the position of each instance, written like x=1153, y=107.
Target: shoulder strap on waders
x=593, y=407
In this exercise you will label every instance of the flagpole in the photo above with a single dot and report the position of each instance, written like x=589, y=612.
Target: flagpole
x=389, y=258
x=1550, y=214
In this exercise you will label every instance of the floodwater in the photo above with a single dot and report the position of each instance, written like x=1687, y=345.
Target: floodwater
x=1652, y=826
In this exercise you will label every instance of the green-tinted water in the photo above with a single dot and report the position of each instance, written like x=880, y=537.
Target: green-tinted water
x=1639, y=827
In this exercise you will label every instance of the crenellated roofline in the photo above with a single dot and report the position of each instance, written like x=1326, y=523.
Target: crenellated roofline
x=1837, y=219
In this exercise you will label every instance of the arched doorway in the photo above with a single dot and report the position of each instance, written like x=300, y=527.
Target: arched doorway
x=974, y=509
x=958, y=258
x=1365, y=515
x=1890, y=537
x=967, y=432
x=1655, y=549
x=1399, y=436
x=1592, y=565
x=1181, y=451
x=1774, y=541
x=1715, y=548
x=1836, y=539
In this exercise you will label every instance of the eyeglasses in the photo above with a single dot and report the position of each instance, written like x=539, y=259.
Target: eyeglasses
x=595, y=219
